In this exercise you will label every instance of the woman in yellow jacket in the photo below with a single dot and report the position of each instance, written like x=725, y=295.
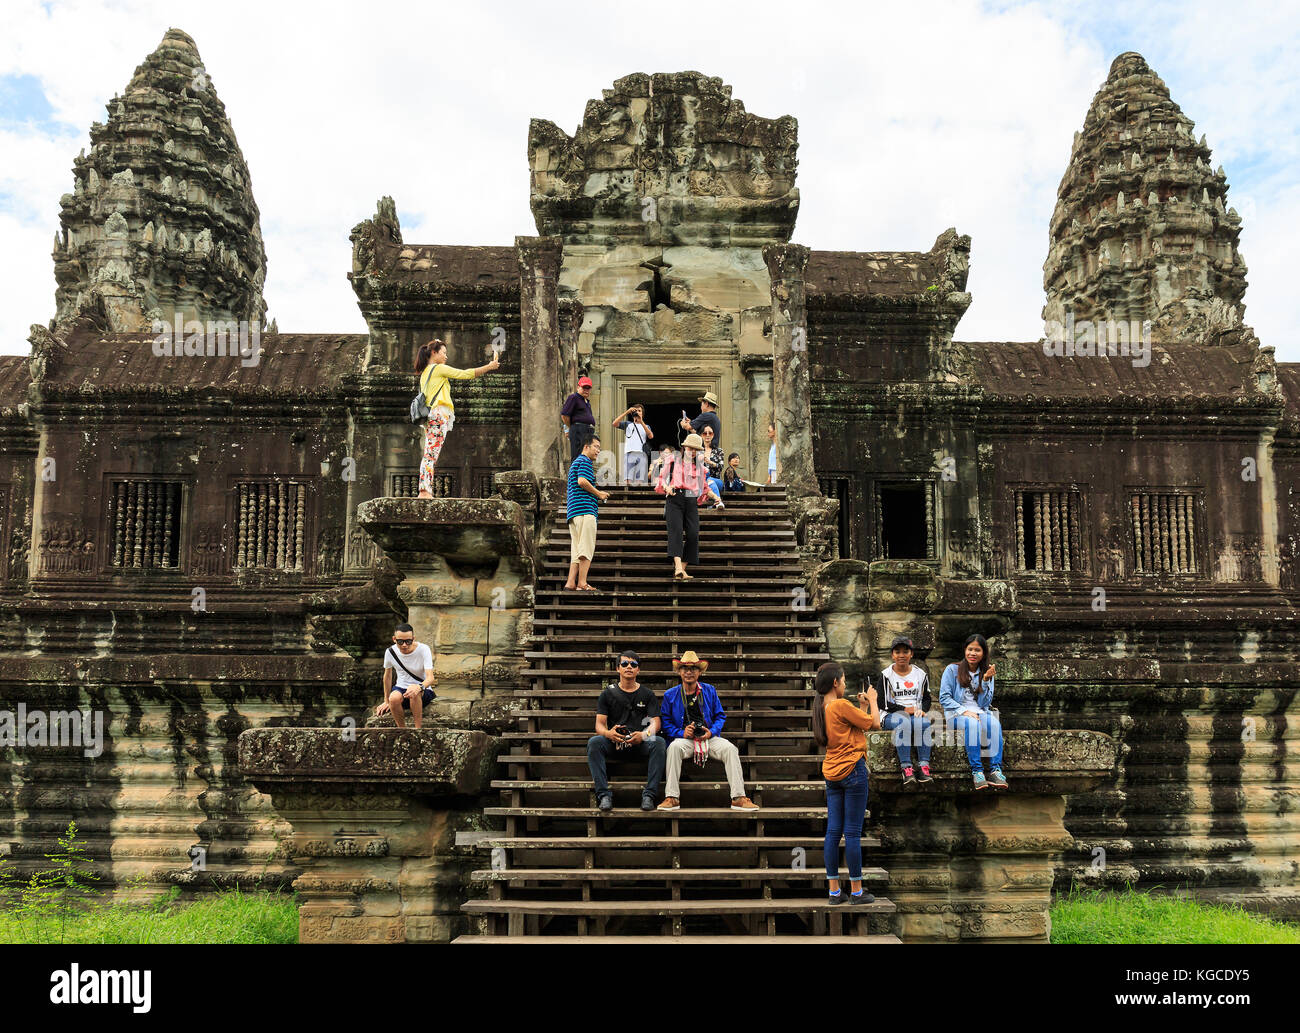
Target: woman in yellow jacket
x=435, y=383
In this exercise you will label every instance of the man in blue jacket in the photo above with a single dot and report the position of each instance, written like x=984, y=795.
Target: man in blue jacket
x=693, y=718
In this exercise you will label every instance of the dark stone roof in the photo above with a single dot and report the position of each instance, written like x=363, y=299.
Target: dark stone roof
x=15, y=375
x=454, y=265
x=888, y=273
x=289, y=364
x=1288, y=375
x=1019, y=369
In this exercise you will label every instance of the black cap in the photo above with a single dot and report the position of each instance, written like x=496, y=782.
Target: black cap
x=900, y=640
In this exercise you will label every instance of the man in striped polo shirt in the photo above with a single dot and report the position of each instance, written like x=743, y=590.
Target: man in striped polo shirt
x=581, y=504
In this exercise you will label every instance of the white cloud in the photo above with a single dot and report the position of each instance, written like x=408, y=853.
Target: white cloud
x=911, y=119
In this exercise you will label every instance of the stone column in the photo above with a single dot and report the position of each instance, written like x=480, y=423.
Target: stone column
x=791, y=386
x=758, y=386
x=468, y=583
x=541, y=366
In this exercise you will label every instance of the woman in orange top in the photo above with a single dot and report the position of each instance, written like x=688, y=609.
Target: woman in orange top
x=840, y=728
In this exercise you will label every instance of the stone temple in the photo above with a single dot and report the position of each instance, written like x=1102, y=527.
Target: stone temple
x=203, y=545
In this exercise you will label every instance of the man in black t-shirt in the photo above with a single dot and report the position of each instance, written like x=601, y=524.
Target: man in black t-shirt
x=627, y=720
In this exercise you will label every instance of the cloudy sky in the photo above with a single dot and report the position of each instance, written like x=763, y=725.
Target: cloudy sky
x=912, y=117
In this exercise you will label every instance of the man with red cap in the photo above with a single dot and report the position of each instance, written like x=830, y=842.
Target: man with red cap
x=579, y=423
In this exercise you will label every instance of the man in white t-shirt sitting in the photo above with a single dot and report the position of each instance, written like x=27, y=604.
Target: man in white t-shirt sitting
x=410, y=663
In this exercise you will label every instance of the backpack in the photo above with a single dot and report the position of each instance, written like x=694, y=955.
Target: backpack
x=420, y=410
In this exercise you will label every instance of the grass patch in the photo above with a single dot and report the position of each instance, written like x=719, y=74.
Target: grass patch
x=225, y=916
x=1094, y=916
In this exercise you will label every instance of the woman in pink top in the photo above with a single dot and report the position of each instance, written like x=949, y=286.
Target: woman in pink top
x=682, y=481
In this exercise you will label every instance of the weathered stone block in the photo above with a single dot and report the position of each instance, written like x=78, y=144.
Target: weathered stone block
x=462, y=629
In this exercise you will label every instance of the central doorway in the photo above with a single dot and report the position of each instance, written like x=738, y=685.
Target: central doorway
x=663, y=411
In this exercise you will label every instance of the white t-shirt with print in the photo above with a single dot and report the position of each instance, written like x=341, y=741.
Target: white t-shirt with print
x=904, y=689
x=419, y=662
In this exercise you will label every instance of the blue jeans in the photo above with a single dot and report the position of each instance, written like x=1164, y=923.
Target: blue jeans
x=846, y=807
x=653, y=751
x=635, y=466
x=911, y=731
x=983, y=733
x=716, y=485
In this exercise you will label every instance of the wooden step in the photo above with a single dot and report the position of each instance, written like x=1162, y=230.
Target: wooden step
x=618, y=785
x=666, y=658
x=881, y=938
x=608, y=875
x=536, y=841
x=580, y=738
x=714, y=677
x=684, y=813
x=609, y=908
x=581, y=758
x=733, y=714
x=591, y=692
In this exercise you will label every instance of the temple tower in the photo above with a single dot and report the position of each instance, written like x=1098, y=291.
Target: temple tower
x=1141, y=229
x=161, y=221
x=662, y=201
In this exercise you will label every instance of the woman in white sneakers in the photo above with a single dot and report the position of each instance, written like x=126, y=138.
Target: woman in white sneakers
x=967, y=698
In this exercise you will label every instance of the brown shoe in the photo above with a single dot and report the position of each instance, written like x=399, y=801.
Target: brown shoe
x=671, y=803
x=743, y=803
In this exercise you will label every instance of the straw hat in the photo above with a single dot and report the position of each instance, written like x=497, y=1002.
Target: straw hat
x=709, y=397
x=689, y=657
x=693, y=441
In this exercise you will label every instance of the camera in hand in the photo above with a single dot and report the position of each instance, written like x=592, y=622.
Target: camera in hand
x=698, y=729
x=624, y=731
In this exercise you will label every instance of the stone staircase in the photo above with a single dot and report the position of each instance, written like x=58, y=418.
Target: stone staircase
x=563, y=872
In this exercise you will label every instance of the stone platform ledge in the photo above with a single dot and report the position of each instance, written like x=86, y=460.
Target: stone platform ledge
x=1041, y=762
x=464, y=532
x=977, y=866
x=374, y=815
x=429, y=762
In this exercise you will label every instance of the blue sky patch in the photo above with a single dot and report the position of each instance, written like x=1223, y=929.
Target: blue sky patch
x=23, y=103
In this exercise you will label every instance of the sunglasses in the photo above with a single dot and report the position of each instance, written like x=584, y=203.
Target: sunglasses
x=687, y=667
x=404, y=641
x=628, y=663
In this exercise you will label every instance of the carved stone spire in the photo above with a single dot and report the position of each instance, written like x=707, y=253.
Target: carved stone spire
x=1172, y=259
x=671, y=159
x=162, y=219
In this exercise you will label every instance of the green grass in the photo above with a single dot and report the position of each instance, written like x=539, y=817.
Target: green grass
x=228, y=916
x=1094, y=916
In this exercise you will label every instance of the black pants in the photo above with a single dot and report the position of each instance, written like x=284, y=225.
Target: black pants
x=682, y=515
x=579, y=435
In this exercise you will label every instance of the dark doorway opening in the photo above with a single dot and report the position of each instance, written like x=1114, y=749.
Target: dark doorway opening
x=663, y=412
x=903, y=531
